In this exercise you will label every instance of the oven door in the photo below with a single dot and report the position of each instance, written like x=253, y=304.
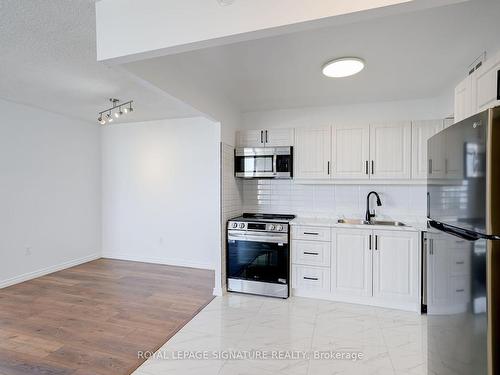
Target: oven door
x=258, y=256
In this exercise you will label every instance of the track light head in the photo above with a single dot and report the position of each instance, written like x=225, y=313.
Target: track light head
x=109, y=117
x=101, y=120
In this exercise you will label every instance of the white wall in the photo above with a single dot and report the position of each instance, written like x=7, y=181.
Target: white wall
x=49, y=192
x=160, y=192
x=423, y=109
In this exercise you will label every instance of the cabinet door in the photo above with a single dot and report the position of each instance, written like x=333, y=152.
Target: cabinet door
x=395, y=265
x=278, y=137
x=486, y=79
x=312, y=153
x=390, y=150
x=351, y=262
x=350, y=151
x=421, y=132
x=438, y=275
x=250, y=138
x=465, y=98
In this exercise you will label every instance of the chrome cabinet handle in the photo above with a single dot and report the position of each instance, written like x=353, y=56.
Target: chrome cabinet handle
x=266, y=136
x=366, y=168
x=328, y=167
x=373, y=167
x=431, y=246
x=311, y=278
x=376, y=242
x=309, y=253
x=311, y=233
x=370, y=243
x=262, y=136
x=460, y=290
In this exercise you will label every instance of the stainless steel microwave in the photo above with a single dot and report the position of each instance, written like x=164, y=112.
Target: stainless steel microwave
x=263, y=162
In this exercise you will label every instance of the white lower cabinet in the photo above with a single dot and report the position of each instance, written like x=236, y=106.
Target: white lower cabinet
x=311, y=253
x=351, y=263
x=314, y=279
x=373, y=267
x=395, y=266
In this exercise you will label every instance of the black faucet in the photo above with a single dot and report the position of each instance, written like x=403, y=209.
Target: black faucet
x=369, y=215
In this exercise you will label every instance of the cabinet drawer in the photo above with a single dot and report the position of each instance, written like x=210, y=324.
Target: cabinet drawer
x=302, y=232
x=311, y=253
x=311, y=278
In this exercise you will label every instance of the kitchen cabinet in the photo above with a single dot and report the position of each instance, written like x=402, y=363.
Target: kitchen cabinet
x=487, y=80
x=280, y=137
x=312, y=153
x=314, y=279
x=448, y=275
x=311, y=253
x=395, y=265
x=464, y=98
x=421, y=132
x=479, y=90
x=352, y=263
x=350, y=151
x=390, y=150
x=377, y=267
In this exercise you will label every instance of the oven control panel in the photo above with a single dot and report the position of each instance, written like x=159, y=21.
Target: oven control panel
x=258, y=226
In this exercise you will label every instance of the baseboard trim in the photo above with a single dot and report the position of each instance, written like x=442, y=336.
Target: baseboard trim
x=217, y=292
x=45, y=271
x=166, y=262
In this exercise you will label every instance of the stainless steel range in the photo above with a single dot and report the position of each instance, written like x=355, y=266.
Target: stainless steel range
x=258, y=254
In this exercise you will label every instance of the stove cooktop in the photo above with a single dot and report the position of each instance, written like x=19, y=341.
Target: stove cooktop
x=265, y=217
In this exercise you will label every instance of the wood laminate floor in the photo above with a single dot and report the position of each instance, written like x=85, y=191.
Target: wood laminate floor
x=94, y=318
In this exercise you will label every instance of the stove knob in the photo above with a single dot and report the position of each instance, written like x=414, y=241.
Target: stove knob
x=242, y=225
x=235, y=225
x=272, y=227
x=279, y=228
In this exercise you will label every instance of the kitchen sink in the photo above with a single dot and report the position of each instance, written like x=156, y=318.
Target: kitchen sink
x=373, y=222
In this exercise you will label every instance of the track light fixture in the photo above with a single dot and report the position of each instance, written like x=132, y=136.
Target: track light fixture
x=115, y=110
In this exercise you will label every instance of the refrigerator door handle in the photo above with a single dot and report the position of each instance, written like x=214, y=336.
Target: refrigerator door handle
x=461, y=233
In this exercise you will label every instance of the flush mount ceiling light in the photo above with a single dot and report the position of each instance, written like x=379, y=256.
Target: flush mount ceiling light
x=115, y=110
x=344, y=67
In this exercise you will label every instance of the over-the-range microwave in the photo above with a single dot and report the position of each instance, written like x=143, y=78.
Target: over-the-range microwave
x=263, y=162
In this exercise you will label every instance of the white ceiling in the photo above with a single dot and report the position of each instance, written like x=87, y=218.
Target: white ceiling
x=48, y=60
x=414, y=55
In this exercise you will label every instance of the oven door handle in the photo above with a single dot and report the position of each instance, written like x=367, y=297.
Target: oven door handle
x=253, y=237
x=275, y=161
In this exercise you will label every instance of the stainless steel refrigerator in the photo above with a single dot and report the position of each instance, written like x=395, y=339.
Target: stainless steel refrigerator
x=463, y=247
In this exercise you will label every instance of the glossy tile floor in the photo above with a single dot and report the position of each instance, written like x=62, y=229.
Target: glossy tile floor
x=391, y=341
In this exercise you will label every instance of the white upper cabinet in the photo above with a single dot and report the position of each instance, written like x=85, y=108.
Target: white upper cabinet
x=421, y=132
x=350, y=151
x=312, y=153
x=279, y=137
x=395, y=265
x=265, y=138
x=464, y=99
x=479, y=91
x=351, y=262
x=250, y=138
x=390, y=150
x=487, y=81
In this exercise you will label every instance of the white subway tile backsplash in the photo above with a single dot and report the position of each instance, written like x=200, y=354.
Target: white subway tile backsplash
x=285, y=196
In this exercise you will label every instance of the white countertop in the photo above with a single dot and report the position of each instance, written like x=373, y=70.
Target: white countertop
x=412, y=223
